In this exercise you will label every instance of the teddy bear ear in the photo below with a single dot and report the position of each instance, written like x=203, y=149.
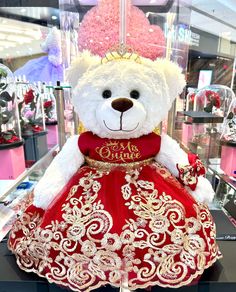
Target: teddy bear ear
x=84, y=62
x=174, y=77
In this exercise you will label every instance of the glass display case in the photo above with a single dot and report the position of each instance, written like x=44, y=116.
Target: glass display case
x=32, y=121
x=50, y=113
x=10, y=133
x=228, y=141
x=187, y=128
x=150, y=29
x=214, y=99
x=49, y=105
x=202, y=127
x=190, y=98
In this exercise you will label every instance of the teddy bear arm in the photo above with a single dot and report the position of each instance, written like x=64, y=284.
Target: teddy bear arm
x=204, y=192
x=59, y=172
x=171, y=154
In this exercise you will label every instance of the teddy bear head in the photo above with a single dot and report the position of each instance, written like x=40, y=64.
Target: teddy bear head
x=123, y=97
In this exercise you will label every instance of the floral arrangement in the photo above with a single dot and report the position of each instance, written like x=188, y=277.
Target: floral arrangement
x=49, y=106
x=213, y=100
x=99, y=30
x=190, y=100
x=49, y=111
x=207, y=100
x=7, y=136
x=29, y=109
x=192, y=97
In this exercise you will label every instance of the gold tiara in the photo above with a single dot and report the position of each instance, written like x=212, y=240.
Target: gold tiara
x=118, y=56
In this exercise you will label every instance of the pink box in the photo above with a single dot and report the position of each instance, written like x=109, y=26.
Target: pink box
x=52, y=136
x=12, y=162
x=228, y=160
x=187, y=133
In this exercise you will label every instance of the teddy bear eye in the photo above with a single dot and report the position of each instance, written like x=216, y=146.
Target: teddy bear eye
x=134, y=94
x=107, y=93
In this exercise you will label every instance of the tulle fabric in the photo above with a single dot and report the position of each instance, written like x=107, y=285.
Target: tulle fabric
x=41, y=69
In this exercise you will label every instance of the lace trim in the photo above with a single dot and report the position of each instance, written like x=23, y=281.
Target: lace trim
x=103, y=283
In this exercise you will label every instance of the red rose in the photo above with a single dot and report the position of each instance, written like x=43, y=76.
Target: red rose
x=213, y=97
x=13, y=139
x=37, y=128
x=2, y=140
x=29, y=96
x=192, y=97
x=217, y=101
x=47, y=104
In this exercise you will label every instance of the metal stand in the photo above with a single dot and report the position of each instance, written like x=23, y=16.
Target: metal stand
x=76, y=122
x=59, y=94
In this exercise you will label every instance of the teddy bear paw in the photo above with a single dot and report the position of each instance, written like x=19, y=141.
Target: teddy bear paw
x=204, y=192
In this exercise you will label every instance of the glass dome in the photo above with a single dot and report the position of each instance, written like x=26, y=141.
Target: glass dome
x=10, y=133
x=31, y=109
x=229, y=127
x=214, y=99
x=49, y=105
x=190, y=99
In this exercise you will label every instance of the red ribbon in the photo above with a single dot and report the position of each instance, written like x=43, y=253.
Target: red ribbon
x=188, y=174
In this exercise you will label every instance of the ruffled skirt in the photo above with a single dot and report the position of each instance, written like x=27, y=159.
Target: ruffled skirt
x=134, y=228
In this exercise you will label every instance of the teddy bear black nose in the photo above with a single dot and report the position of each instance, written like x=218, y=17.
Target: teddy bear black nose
x=122, y=104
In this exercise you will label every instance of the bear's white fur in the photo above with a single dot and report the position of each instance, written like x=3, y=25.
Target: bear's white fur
x=158, y=83
x=62, y=168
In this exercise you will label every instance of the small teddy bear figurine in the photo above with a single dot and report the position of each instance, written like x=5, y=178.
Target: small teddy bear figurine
x=119, y=205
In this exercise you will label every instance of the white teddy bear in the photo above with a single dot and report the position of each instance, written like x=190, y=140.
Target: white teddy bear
x=158, y=84
x=119, y=205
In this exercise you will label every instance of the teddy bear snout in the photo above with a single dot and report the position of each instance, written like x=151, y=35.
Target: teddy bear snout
x=122, y=104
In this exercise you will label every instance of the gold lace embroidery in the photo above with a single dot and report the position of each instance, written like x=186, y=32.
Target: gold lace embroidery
x=116, y=151
x=107, y=166
x=90, y=255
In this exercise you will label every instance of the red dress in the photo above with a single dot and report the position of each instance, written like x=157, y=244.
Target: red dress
x=122, y=219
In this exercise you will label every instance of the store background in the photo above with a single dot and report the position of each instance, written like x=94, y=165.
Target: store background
x=206, y=38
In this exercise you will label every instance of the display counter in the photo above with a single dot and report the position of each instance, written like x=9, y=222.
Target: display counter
x=13, y=198
x=221, y=276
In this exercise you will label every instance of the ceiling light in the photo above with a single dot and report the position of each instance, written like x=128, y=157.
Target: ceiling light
x=28, y=33
x=20, y=39
x=7, y=43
